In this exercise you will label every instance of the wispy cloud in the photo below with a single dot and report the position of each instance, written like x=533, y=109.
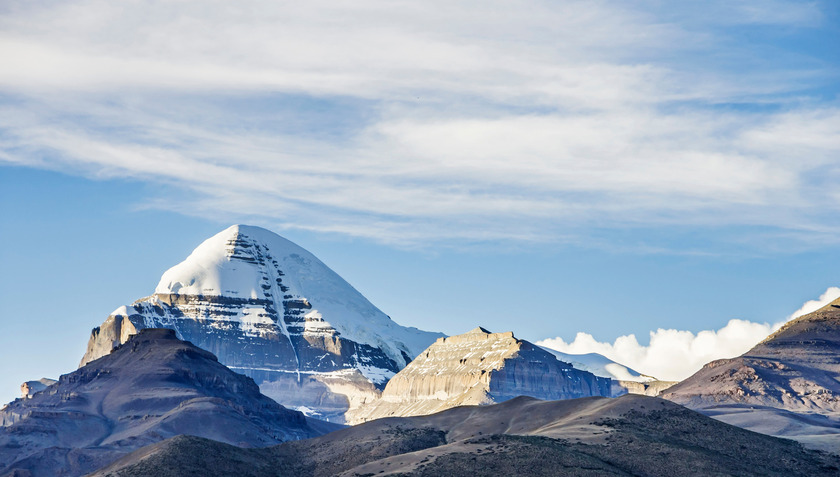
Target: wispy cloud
x=408, y=122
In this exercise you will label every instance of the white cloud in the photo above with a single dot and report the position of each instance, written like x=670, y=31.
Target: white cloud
x=520, y=120
x=674, y=355
x=831, y=294
x=412, y=179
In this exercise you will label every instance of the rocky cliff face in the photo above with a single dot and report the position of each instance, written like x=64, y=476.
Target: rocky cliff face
x=271, y=310
x=786, y=385
x=478, y=367
x=152, y=387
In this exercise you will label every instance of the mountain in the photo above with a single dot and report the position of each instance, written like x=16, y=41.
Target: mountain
x=787, y=385
x=271, y=310
x=630, y=435
x=153, y=387
x=600, y=365
x=478, y=367
x=624, y=380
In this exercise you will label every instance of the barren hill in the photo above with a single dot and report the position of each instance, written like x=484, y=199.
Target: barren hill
x=153, y=387
x=630, y=435
x=787, y=385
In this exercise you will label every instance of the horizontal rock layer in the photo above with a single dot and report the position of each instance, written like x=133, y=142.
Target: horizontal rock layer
x=271, y=310
x=479, y=367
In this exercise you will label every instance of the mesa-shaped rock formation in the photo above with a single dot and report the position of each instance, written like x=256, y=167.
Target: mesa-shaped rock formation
x=786, y=386
x=271, y=310
x=478, y=367
x=153, y=387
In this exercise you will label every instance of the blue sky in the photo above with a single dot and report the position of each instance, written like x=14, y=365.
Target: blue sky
x=548, y=167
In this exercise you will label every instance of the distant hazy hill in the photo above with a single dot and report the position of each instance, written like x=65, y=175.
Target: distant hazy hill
x=630, y=435
x=151, y=388
x=786, y=386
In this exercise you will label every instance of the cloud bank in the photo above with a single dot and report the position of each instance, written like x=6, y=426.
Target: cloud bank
x=674, y=355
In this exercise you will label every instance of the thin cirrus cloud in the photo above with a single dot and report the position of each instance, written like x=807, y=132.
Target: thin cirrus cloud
x=674, y=355
x=407, y=122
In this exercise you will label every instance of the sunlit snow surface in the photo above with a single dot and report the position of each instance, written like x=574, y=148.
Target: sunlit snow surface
x=288, y=272
x=600, y=365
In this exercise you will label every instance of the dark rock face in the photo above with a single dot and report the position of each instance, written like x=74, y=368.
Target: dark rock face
x=202, y=320
x=152, y=387
x=271, y=310
x=785, y=386
x=630, y=435
x=533, y=372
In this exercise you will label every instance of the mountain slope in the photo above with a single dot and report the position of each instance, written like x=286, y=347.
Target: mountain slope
x=630, y=435
x=787, y=385
x=151, y=388
x=271, y=310
x=478, y=367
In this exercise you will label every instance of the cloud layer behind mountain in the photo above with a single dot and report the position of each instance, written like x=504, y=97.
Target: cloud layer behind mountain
x=674, y=355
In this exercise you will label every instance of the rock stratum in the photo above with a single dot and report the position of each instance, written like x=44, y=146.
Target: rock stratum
x=151, y=388
x=478, y=367
x=271, y=310
x=786, y=386
x=627, y=436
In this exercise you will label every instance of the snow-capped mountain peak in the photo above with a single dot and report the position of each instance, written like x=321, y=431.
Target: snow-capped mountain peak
x=269, y=308
x=247, y=262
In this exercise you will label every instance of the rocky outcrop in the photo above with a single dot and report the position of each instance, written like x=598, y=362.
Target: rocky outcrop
x=785, y=386
x=645, y=388
x=152, y=387
x=29, y=388
x=271, y=310
x=478, y=367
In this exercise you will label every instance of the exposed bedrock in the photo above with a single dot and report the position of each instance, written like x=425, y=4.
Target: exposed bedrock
x=479, y=367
